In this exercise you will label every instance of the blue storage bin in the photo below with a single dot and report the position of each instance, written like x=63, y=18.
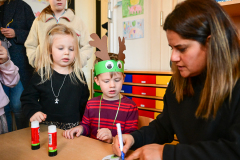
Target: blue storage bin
x=128, y=78
x=126, y=89
x=129, y=97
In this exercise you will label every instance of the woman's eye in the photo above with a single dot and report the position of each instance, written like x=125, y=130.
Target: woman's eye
x=182, y=49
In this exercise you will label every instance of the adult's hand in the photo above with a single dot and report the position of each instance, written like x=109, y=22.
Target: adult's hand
x=8, y=32
x=128, y=141
x=148, y=152
x=3, y=54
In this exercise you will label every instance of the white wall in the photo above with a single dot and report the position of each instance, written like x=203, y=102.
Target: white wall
x=86, y=10
x=151, y=52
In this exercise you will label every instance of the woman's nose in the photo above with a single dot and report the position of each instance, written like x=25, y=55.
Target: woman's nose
x=175, y=57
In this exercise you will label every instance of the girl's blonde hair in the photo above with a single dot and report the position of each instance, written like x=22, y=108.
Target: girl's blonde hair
x=197, y=20
x=43, y=65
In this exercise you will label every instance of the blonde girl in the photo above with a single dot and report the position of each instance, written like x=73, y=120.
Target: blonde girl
x=58, y=92
x=56, y=13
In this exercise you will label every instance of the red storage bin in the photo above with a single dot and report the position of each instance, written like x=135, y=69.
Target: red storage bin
x=148, y=79
x=146, y=113
x=146, y=91
x=141, y=102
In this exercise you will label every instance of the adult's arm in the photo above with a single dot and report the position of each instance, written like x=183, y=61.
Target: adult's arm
x=159, y=131
x=227, y=147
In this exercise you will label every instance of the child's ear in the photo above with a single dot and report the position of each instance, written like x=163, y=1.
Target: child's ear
x=96, y=80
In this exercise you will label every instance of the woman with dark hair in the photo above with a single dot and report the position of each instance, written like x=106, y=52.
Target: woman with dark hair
x=202, y=101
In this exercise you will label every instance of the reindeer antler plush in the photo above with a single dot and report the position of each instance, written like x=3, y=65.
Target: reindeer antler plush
x=122, y=47
x=101, y=44
x=107, y=65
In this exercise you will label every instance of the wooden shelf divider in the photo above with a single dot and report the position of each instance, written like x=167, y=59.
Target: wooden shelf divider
x=137, y=95
x=231, y=7
x=150, y=109
x=145, y=85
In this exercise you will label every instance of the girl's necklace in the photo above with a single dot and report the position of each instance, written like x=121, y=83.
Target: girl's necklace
x=115, y=115
x=56, y=100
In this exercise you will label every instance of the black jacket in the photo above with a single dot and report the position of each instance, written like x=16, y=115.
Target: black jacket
x=213, y=139
x=22, y=15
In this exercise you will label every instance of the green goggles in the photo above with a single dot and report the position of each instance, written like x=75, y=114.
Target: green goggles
x=108, y=66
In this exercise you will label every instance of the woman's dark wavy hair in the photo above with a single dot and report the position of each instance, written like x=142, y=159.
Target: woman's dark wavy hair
x=198, y=20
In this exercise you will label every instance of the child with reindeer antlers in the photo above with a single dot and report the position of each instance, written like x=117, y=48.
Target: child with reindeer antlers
x=103, y=112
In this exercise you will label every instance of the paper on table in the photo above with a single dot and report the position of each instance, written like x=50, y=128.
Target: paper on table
x=111, y=157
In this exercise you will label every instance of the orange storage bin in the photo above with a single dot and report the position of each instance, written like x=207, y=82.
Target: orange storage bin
x=159, y=104
x=156, y=114
x=163, y=79
x=160, y=92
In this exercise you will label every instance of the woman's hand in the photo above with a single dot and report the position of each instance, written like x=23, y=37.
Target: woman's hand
x=38, y=116
x=128, y=141
x=148, y=152
x=69, y=134
x=104, y=134
x=8, y=32
x=3, y=54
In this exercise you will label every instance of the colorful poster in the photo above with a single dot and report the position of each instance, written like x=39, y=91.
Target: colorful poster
x=132, y=8
x=133, y=29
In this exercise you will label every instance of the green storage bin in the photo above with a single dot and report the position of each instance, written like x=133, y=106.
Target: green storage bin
x=96, y=87
x=95, y=94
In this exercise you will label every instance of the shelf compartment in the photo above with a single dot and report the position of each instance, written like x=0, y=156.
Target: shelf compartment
x=231, y=7
x=146, y=85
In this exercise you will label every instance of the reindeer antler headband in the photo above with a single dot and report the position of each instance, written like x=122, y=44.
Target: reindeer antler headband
x=107, y=65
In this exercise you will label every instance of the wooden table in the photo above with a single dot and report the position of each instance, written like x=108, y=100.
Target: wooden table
x=16, y=145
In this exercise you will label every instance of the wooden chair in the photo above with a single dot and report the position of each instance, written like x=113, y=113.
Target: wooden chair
x=143, y=121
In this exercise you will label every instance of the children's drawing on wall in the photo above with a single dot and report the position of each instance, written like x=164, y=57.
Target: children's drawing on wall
x=133, y=29
x=37, y=5
x=132, y=8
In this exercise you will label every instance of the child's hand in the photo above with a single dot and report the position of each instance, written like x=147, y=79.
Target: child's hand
x=105, y=135
x=38, y=116
x=69, y=133
x=3, y=54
